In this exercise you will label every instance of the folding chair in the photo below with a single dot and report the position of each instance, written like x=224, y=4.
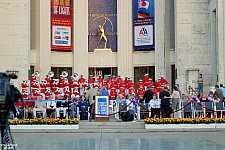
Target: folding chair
x=208, y=109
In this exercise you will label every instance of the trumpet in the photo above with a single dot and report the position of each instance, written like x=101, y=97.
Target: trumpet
x=51, y=74
x=36, y=74
x=64, y=74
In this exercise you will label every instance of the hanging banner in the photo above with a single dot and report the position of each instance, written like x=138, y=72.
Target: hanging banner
x=143, y=24
x=61, y=24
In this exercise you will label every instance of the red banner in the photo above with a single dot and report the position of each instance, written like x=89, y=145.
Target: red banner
x=61, y=24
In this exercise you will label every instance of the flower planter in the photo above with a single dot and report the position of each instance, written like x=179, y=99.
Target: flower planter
x=38, y=127
x=184, y=126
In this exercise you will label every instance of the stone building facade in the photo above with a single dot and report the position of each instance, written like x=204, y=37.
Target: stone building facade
x=189, y=39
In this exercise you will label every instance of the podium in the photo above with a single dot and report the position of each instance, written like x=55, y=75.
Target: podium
x=101, y=108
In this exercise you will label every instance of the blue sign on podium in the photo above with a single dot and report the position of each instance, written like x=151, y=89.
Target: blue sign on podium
x=102, y=106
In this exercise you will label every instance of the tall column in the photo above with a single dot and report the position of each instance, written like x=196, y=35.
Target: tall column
x=124, y=38
x=160, y=57
x=14, y=37
x=220, y=35
x=42, y=36
x=80, y=37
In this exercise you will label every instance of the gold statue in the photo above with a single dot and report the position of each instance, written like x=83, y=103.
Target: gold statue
x=101, y=31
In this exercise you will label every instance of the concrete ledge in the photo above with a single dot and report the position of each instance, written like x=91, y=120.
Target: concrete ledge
x=185, y=126
x=43, y=127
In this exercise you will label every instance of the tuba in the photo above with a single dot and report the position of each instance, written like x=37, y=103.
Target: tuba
x=36, y=74
x=51, y=74
x=64, y=74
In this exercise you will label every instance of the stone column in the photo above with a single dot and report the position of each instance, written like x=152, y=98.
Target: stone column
x=14, y=37
x=80, y=44
x=43, y=37
x=124, y=38
x=160, y=57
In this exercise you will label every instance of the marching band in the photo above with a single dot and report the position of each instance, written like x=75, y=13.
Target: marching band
x=79, y=85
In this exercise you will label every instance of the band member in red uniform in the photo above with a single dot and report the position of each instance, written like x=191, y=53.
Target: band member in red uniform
x=154, y=90
x=163, y=80
x=113, y=85
x=130, y=85
x=24, y=86
x=81, y=81
x=119, y=80
x=105, y=84
x=132, y=91
x=100, y=81
x=109, y=79
x=128, y=81
x=36, y=94
x=32, y=79
x=42, y=86
x=47, y=94
x=113, y=94
x=146, y=78
x=67, y=92
x=57, y=92
x=122, y=92
x=76, y=91
x=48, y=79
x=140, y=84
x=61, y=81
x=160, y=89
x=96, y=84
x=91, y=80
x=35, y=86
x=25, y=95
x=123, y=85
x=55, y=85
x=141, y=93
x=158, y=85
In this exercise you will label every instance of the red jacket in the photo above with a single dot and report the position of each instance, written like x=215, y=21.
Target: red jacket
x=113, y=94
x=141, y=93
x=145, y=79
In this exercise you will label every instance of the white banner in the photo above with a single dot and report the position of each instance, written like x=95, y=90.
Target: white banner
x=61, y=35
x=143, y=35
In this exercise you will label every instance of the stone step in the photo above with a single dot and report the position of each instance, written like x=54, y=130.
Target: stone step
x=112, y=127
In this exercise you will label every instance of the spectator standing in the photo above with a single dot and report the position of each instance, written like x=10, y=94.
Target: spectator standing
x=90, y=95
x=218, y=92
x=223, y=92
x=165, y=103
x=200, y=84
x=148, y=95
x=175, y=101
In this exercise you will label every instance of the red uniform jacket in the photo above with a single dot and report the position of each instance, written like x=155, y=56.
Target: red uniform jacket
x=130, y=85
x=91, y=81
x=24, y=87
x=76, y=92
x=109, y=80
x=47, y=94
x=163, y=81
x=140, y=85
x=81, y=80
x=141, y=93
x=100, y=80
x=122, y=92
x=32, y=80
x=118, y=80
x=145, y=79
x=113, y=94
x=61, y=82
x=42, y=87
x=25, y=96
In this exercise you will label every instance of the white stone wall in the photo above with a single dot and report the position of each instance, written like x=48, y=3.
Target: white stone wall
x=14, y=35
x=192, y=19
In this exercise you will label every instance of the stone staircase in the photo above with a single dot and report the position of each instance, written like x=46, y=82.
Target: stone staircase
x=109, y=127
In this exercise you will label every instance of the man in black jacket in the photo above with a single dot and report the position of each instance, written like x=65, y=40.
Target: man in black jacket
x=148, y=95
x=165, y=103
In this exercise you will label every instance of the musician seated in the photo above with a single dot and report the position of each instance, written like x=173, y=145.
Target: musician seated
x=51, y=106
x=39, y=106
x=155, y=106
x=61, y=105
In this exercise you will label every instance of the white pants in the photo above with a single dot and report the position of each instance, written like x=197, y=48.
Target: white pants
x=39, y=109
x=59, y=109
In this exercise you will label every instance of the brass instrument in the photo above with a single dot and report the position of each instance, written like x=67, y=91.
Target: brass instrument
x=36, y=74
x=64, y=74
x=27, y=82
x=51, y=74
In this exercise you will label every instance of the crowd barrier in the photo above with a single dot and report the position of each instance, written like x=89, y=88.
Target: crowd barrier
x=193, y=109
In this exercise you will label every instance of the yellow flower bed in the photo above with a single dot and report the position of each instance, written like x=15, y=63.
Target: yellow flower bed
x=183, y=120
x=40, y=121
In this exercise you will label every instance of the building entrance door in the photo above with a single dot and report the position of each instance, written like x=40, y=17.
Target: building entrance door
x=104, y=72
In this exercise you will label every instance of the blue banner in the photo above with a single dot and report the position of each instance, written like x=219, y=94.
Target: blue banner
x=143, y=25
x=101, y=106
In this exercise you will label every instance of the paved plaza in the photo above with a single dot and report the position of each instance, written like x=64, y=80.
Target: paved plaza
x=210, y=140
